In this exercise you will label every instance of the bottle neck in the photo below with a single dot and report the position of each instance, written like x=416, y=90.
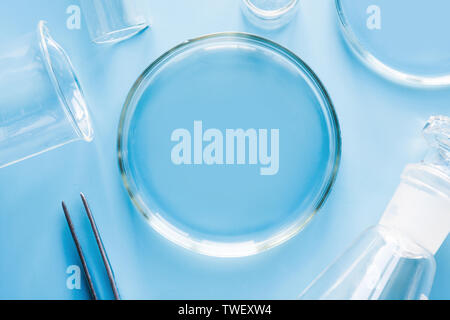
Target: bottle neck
x=420, y=207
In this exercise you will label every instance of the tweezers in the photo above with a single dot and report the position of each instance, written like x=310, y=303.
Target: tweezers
x=100, y=247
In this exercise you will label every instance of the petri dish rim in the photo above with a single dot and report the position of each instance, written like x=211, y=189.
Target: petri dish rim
x=378, y=66
x=225, y=249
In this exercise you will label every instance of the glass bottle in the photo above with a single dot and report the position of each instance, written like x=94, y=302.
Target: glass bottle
x=395, y=259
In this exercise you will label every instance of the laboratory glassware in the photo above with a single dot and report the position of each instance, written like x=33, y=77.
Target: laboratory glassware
x=269, y=14
x=405, y=40
x=41, y=103
x=111, y=21
x=395, y=259
x=228, y=144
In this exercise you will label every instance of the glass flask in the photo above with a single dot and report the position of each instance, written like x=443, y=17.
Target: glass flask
x=112, y=21
x=404, y=40
x=269, y=14
x=395, y=260
x=41, y=103
x=228, y=144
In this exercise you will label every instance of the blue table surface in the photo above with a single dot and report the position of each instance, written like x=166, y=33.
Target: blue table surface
x=381, y=126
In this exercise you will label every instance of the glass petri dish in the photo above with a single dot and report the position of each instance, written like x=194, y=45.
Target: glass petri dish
x=405, y=40
x=228, y=144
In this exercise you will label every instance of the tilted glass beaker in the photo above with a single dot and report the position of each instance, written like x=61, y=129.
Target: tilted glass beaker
x=42, y=105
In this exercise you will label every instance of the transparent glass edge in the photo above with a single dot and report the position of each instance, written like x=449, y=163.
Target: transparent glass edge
x=381, y=68
x=43, y=37
x=270, y=14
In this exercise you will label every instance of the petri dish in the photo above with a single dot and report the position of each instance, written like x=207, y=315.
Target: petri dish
x=405, y=40
x=228, y=144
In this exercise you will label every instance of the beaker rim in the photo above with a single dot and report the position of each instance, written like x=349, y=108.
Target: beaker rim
x=270, y=14
x=75, y=106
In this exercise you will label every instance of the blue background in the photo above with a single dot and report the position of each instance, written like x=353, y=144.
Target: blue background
x=381, y=126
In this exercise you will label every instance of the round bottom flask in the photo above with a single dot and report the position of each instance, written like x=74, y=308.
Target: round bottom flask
x=228, y=145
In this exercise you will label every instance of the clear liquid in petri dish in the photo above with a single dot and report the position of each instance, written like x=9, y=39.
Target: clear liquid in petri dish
x=221, y=195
